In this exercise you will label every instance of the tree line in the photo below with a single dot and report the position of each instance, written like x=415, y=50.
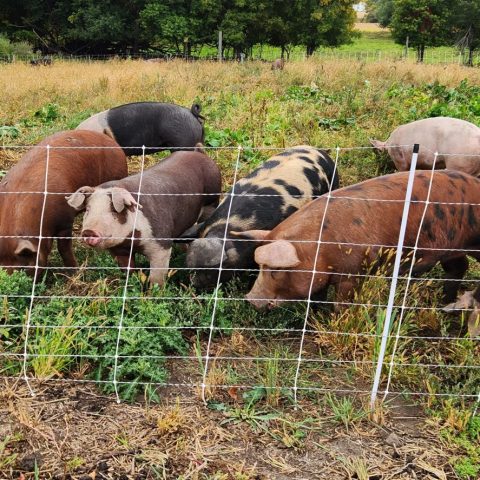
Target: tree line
x=431, y=23
x=176, y=26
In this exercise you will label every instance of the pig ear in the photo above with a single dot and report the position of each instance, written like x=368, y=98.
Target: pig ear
x=379, y=145
x=465, y=301
x=122, y=198
x=251, y=234
x=25, y=247
x=279, y=254
x=77, y=200
x=192, y=232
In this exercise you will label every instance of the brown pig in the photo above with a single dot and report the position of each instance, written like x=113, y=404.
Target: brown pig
x=172, y=196
x=361, y=223
x=73, y=161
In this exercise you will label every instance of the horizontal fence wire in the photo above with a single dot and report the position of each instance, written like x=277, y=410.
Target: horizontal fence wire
x=452, y=56
x=210, y=356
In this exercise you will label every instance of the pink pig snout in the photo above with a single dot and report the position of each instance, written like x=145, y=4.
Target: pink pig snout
x=259, y=303
x=92, y=238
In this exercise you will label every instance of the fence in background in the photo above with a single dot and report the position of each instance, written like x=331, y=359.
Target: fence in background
x=268, y=54
x=383, y=359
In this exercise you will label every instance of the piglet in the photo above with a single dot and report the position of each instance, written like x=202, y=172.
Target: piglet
x=73, y=160
x=172, y=196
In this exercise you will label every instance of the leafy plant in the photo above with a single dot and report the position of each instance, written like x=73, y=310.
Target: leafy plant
x=9, y=131
x=48, y=113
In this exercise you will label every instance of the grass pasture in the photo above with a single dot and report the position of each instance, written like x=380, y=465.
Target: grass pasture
x=73, y=427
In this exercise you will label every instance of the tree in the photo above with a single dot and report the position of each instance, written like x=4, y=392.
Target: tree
x=466, y=22
x=327, y=23
x=380, y=11
x=426, y=23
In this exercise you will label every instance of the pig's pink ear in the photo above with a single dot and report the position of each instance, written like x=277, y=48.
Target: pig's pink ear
x=251, y=234
x=77, y=200
x=379, y=145
x=122, y=198
x=279, y=254
x=25, y=247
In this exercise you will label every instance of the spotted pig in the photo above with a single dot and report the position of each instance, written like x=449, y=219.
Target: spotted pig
x=261, y=200
x=172, y=196
x=359, y=220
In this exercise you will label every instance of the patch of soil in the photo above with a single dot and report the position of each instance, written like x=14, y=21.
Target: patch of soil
x=72, y=432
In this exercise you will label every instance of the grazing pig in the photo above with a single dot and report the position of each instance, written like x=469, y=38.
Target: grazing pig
x=70, y=165
x=262, y=200
x=171, y=199
x=440, y=134
x=154, y=125
x=360, y=219
x=278, y=64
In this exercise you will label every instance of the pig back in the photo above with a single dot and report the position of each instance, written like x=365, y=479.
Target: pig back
x=456, y=141
x=364, y=220
x=173, y=192
x=73, y=161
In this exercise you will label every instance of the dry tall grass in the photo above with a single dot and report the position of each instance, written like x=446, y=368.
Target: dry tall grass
x=81, y=89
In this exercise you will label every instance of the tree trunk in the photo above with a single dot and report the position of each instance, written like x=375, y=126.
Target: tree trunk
x=420, y=53
x=470, y=57
x=310, y=50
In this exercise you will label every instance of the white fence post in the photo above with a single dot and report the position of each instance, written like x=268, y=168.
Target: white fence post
x=393, y=285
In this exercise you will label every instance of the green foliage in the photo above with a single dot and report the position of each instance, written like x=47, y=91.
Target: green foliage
x=344, y=410
x=180, y=26
x=9, y=131
x=380, y=11
x=425, y=23
x=48, y=113
x=467, y=440
x=435, y=99
x=8, y=48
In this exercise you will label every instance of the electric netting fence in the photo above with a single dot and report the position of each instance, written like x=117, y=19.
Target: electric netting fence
x=387, y=355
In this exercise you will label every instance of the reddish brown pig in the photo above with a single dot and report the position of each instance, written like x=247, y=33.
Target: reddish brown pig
x=359, y=220
x=22, y=198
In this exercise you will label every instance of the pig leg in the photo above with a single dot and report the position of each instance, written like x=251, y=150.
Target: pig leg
x=124, y=261
x=344, y=293
x=455, y=268
x=65, y=249
x=159, y=260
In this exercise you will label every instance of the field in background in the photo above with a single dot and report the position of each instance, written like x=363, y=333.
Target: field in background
x=246, y=433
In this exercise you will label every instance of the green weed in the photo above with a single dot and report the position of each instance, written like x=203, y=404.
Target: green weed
x=344, y=410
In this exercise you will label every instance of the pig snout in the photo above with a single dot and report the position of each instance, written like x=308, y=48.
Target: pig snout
x=260, y=303
x=91, y=237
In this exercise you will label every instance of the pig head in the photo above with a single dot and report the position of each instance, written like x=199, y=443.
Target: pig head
x=468, y=301
x=283, y=275
x=22, y=253
x=109, y=217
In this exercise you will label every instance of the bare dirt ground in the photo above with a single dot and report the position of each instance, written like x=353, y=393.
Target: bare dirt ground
x=73, y=432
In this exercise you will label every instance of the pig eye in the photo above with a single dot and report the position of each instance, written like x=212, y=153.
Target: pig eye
x=274, y=274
